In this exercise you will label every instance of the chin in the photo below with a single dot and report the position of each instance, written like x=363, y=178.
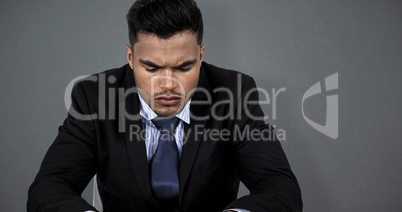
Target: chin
x=167, y=111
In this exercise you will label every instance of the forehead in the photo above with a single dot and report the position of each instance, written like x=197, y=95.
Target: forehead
x=180, y=46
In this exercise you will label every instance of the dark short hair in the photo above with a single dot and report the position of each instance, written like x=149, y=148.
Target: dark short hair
x=164, y=18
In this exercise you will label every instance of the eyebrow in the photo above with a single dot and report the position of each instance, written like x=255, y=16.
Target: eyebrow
x=149, y=63
x=154, y=65
x=185, y=63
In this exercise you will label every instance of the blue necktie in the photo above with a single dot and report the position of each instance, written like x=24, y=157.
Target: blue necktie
x=165, y=164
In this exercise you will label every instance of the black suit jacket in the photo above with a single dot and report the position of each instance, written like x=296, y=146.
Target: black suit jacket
x=210, y=166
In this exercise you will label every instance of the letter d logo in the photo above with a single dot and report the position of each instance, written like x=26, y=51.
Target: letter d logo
x=330, y=128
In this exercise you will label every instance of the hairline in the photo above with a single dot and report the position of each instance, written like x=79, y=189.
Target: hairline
x=165, y=38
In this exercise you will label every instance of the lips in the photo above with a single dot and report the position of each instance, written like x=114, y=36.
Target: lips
x=168, y=100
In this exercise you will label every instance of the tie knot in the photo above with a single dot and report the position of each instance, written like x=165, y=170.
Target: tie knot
x=166, y=125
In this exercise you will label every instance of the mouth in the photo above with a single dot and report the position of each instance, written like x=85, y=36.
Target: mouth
x=168, y=100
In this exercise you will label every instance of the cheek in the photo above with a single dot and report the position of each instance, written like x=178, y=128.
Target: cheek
x=190, y=82
x=143, y=81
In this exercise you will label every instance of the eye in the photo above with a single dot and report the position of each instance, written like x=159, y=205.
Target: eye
x=151, y=69
x=184, y=69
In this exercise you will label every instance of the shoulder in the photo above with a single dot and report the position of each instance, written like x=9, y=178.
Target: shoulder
x=113, y=77
x=96, y=86
x=220, y=77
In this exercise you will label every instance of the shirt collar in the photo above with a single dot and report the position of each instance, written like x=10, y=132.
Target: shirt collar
x=147, y=113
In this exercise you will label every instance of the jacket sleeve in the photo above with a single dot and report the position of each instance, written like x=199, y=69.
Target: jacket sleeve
x=69, y=164
x=260, y=161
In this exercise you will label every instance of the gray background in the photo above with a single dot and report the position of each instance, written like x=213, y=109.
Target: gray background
x=282, y=44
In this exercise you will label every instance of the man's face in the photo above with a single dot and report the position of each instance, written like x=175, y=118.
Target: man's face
x=166, y=70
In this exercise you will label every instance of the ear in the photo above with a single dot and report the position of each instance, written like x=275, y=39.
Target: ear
x=202, y=53
x=130, y=56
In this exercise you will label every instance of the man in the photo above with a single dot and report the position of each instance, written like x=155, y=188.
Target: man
x=167, y=131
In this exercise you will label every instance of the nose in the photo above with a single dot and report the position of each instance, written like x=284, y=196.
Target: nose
x=168, y=82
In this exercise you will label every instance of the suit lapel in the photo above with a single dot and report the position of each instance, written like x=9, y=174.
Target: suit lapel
x=136, y=149
x=194, y=131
